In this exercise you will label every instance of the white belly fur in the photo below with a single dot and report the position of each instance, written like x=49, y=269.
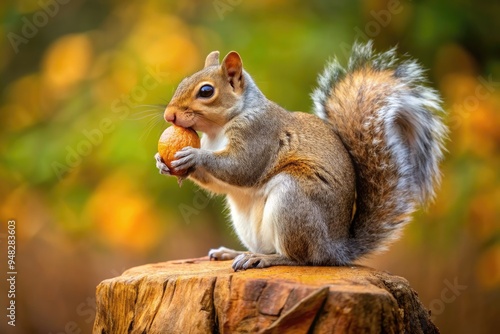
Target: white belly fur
x=247, y=213
x=254, y=214
x=252, y=209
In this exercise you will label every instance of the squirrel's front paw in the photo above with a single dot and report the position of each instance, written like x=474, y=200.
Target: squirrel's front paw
x=186, y=158
x=162, y=167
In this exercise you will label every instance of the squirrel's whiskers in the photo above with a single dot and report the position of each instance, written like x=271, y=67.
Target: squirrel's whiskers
x=153, y=115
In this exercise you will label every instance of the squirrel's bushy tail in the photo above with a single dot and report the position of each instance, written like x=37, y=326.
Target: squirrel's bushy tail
x=390, y=124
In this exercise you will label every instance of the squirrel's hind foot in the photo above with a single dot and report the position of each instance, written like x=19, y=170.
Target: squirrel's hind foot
x=246, y=261
x=223, y=254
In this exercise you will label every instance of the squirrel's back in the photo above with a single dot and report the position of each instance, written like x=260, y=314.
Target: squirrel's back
x=389, y=122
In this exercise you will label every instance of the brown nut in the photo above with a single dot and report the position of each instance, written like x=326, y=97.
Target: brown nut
x=174, y=139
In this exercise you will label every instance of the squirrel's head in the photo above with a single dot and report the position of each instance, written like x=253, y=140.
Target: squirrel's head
x=205, y=100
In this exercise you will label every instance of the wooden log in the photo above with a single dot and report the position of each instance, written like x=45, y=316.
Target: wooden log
x=202, y=296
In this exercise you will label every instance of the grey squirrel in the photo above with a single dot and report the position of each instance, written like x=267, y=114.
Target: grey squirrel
x=304, y=189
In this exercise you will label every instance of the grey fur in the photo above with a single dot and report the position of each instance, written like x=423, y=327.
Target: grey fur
x=409, y=109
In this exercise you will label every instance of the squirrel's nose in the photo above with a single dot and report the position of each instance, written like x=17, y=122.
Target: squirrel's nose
x=170, y=115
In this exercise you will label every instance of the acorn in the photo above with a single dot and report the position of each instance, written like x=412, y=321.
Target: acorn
x=174, y=139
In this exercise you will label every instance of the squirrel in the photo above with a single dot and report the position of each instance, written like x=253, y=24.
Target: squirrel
x=313, y=189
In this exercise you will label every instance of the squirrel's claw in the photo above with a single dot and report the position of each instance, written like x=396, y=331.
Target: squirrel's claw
x=162, y=167
x=185, y=158
x=247, y=260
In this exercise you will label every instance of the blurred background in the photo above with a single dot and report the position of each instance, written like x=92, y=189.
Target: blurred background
x=82, y=89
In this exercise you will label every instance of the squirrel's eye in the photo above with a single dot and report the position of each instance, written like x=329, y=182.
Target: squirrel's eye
x=206, y=91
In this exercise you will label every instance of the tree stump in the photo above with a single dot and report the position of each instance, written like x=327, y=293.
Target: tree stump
x=202, y=296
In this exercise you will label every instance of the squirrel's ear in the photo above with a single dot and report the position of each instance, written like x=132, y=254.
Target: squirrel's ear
x=212, y=59
x=233, y=69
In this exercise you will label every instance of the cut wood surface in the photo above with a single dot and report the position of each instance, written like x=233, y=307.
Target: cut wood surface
x=202, y=296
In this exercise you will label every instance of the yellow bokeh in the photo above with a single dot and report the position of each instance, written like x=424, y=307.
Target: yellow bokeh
x=165, y=41
x=122, y=215
x=27, y=6
x=66, y=62
x=484, y=214
x=255, y=5
x=114, y=73
x=488, y=268
x=453, y=58
x=25, y=105
x=473, y=118
x=456, y=86
x=23, y=204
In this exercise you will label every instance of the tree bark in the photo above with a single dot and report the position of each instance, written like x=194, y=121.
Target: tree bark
x=202, y=296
